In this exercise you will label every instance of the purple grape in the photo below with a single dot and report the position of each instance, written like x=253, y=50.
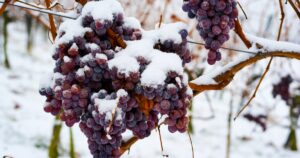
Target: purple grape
x=215, y=20
x=105, y=100
x=282, y=88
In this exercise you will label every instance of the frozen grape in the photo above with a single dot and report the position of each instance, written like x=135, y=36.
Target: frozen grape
x=215, y=19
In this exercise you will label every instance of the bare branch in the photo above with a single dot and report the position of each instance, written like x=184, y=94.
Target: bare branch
x=268, y=66
x=224, y=78
x=51, y=21
x=294, y=7
x=281, y=19
x=24, y=6
x=38, y=18
x=5, y=4
x=256, y=89
x=238, y=29
x=242, y=10
x=192, y=146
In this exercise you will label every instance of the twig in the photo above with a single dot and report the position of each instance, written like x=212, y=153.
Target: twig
x=37, y=18
x=268, y=66
x=5, y=40
x=5, y=4
x=192, y=146
x=242, y=9
x=122, y=44
x=294, y=7
x=112, y=120
x=160, y=20
x=51, y=21
x=160, y=139
x=228, y=143
x=256, y=89
x=238, y=29
x=281, y=20
x=31, y=5
x=41, y=10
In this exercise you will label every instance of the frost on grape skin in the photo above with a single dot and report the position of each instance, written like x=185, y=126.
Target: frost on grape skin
x=108, y=89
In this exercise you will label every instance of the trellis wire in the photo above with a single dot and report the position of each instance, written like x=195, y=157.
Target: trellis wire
x=70, y=17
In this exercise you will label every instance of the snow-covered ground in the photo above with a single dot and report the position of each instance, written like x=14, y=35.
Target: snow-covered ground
x=25, y=129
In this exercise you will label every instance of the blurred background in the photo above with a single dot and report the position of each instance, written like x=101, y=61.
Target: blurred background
x=26, y=130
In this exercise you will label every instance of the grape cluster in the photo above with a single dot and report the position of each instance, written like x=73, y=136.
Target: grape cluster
x=215, y=20
x=172, y=100
x=89, y=88
x=104, y=123
x=259, y=120
x=181, y=49
x=282, y=88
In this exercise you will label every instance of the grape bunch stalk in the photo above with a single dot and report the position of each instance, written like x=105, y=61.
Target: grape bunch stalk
x=110, y=76
x=215, y=20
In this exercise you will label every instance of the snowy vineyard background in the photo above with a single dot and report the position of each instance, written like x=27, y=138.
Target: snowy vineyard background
x=244, y=104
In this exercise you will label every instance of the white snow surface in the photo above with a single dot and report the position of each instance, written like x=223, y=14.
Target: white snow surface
x=272, y=45
x=132, y=22
x=71, y=28
x=166, y=32
x=208, y=78
x=110, y=107
x=124, y=63
x=156, y=72
x=92, y=46
x=102, y=10
x=122, y=93
x=106, y=107
x=101, y=56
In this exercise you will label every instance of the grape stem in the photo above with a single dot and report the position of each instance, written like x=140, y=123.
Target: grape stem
x=116, y=38
x=126, y=145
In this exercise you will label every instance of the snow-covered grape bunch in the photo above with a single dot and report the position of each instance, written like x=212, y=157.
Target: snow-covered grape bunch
x=215, y=20
x=112, y=76
x=282, y=88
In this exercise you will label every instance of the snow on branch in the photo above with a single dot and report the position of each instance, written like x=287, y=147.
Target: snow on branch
x=265, y=48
